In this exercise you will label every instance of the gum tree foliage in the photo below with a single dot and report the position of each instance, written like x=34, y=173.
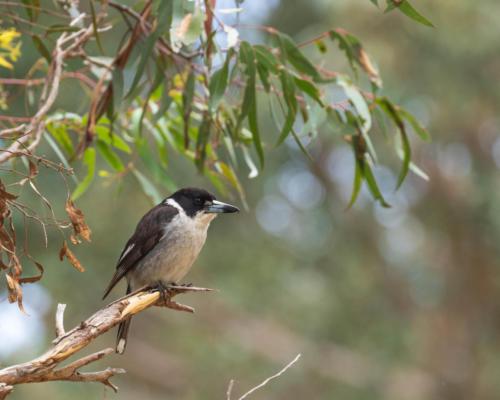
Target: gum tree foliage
x=165, y=77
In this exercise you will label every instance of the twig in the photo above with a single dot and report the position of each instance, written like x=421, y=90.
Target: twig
x=263, y=383
x=43, y=368
x=229, y=389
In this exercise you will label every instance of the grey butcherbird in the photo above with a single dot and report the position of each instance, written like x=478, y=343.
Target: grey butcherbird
x=165, y=244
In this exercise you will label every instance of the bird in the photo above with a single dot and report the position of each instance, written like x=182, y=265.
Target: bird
x=166, y=242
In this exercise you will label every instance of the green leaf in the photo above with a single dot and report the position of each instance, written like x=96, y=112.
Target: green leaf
x=202, y=141
x=218, y=83
x=247, y=57
x=419, y=129
x=148, y=187
x=147, y=49
x=59, y=132
x=266, y=58
x=254, y=172
x=310, y=89
x=267, y=63
x=357, y=183
x=372, y=184
x=42, y=49
x=32, y=9
x=393, y=113
x=159, y=78
x=288, y=86
x=95, y=27
x=406, y=8
x=406, y=157
x=375, y=2
x=110, y=156
x=165, y=12
x=359, y=103
x=89, y=158
x=187, y=100
x=57, y=28
x=296, y=58
x=117, y=84
x=104, y=134
x=231, y=177
x=249, y=106
x=59, y=154
x=254, y=128
x=165, y=102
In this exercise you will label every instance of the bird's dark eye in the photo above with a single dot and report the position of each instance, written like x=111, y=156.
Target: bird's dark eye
x=198, y=201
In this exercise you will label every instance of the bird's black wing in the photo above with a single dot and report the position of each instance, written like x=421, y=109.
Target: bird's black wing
x=148, y=233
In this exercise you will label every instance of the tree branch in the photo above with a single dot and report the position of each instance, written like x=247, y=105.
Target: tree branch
x=66, y=344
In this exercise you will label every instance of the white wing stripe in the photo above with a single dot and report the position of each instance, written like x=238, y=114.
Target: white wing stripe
x=127, y=250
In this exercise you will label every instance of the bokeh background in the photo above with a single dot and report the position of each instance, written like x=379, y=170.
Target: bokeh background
x=393, y=304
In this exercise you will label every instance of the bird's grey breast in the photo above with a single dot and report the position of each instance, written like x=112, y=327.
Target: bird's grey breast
x=175, y=253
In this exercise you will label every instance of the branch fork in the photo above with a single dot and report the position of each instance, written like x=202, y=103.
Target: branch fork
x=46, y=367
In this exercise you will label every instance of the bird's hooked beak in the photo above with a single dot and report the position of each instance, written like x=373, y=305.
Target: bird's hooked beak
x=219, y=207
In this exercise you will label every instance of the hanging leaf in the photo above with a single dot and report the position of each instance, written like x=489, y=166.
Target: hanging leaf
x=80, y=227
x=95, y=27
x=310, y=89
x=148, y=187
x=42, y=49
x=357, y=183
x=372, y=184
x=288, y=86
x=66, y=252
x=293, y=55
x=187, y=99
x=117, y=85
x=393, y=113
x=89, y=161
x=147, y=49
x=355, y=54
x=419, y=129
x=406, y=8
x=110, y=156
x=202, y=140
x=249, y=106
x=218, y=83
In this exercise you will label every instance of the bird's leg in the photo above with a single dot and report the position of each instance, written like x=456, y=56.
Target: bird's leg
x=164, y=291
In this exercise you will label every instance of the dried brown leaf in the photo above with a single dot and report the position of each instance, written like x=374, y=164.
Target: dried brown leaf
x=36, y=278
x=368, y=66
x=33, y=169
x=77, y=218
x=15, y=292
x=6, y=242
x=4, y=197
x=66, y=252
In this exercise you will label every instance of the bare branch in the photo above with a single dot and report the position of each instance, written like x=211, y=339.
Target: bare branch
x=263, y=383
x=43, y=368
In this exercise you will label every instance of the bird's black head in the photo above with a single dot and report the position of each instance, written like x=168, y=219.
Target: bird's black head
x=195, y=201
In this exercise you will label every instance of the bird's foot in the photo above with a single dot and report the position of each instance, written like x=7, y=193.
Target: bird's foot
x=164, y=290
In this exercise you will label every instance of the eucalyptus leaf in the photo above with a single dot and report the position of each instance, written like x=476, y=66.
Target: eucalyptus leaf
x=89, y=160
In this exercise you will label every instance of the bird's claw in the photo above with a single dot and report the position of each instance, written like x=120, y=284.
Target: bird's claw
x=164, y=291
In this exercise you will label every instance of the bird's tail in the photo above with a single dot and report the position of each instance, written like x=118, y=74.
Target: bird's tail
x=123, y=328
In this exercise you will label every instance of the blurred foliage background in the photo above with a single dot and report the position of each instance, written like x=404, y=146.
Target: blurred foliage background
x=398, y=303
